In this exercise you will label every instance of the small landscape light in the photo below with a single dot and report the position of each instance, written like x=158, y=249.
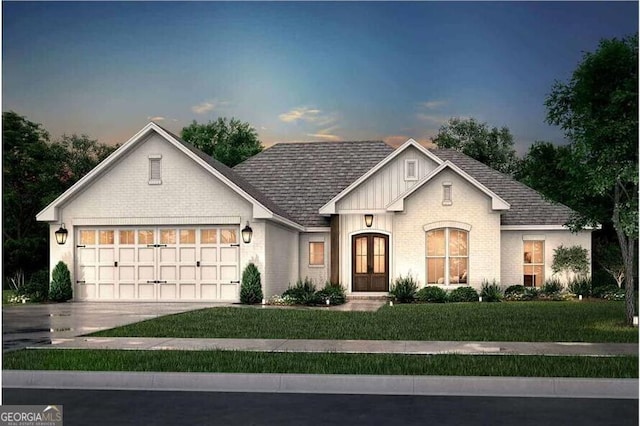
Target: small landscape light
x=480, y=299
x=264, y=301
x=328, y=302
x=390, y=302
x=579, y=297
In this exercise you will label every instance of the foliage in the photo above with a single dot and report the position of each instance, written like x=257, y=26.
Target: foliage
x=601, y=291
x=404, y=289
x=463, y=294
x=432, y=294
x=281, y=300
x=61, y=289
x=614, y=294
x=598, y=111
x=10, y=296
x=303, y=292
x=334, y=292
x=609, y=258
x=493, y=147
x=581, y=286
x=514, y=289
x=551, y=286
x=573, y=259
x=519, y=293
x=37, y=288
x=251, y=287
x=16, y=281
x=491, y=292
x=228, y=141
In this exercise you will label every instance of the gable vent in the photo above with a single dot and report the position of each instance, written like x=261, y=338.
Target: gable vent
x=155, y=170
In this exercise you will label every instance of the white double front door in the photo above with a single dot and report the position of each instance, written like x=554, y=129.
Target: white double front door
x=157, y=263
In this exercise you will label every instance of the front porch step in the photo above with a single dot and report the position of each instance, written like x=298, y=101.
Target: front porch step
x=375, y=296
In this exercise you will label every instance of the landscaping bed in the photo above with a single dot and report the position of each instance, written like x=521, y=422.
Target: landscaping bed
x=571, y=321
x=321, y=363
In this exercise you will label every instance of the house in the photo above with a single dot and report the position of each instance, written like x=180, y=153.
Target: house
x=160, y=220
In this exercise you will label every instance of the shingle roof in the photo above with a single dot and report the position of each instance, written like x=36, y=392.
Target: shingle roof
x=528, y=207
x=235, y=177
x=302, y=177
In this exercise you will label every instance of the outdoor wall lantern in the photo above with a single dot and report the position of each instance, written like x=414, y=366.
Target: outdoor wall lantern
x=368, y=220
x=247, y=233
x=61, y=235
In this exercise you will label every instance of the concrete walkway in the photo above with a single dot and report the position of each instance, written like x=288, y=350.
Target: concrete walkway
x=349, y=346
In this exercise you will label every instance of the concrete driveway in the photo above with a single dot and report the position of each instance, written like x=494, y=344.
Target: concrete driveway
x=31, y=325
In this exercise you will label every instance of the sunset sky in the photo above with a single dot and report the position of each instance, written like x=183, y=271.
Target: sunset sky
x=297, y=71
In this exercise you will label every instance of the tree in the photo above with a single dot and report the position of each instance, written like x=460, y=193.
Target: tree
x=228, y=141
x=493, y=147
x=78, y=155
x=598, y=110
x=251, y=288
x=574, y=260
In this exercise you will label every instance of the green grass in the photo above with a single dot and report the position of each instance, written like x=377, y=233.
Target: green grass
x=516, y=321
x=321, y=363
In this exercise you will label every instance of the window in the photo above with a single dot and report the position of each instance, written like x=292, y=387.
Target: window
x=145, y=236
x=155, y=169
x=187, y=236
x=167, y=236
x=533, y=263
x=446, y=194
x=228, y=236
x=208, y=236
x=106, y=237
x=127, y=237
x=410, y=169
x=316, y=254
x=88, y=237
x=447, y=256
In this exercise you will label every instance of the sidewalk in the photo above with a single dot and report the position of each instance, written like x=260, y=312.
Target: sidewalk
x=350, y=346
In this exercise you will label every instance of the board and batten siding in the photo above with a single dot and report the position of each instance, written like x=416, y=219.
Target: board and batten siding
x=188, y=195
x=351, y=224
x=281, y=252
x=319, y=274
x=469, y=206
x=512, y=243
x=386, y=184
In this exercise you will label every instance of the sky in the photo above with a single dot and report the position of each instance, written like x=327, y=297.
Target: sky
x=297, y=71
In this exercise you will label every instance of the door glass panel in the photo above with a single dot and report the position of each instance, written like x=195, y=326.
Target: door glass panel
x=228, y=236
x=379, y=263
x=106, y=237
x=435, y=243
x=208, y=236
x=187, y=236
x=145, y=236
x=127, y=237
x=361, y=255
x=88, y=237
x=167, y=236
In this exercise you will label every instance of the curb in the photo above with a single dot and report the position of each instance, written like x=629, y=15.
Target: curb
x=533, y=387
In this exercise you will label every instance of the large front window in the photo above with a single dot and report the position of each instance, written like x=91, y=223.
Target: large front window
x=447, y=256
x=533, y=263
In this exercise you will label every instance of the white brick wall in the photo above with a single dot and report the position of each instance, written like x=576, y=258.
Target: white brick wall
x=319, y=274
x=469, y=206
x=281, y=253
x=513, y=251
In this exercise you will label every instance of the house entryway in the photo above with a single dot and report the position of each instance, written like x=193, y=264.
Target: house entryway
x=370, y=262
x=180, y=263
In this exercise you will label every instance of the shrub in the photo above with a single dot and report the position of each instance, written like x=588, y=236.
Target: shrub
x=581, y=286
x=60, y=290
x=404, y=289
x=463, y=294
x=281, y=300
x=573, y=259
x=334, y=292
x=491, y=292
x=37, y=288
x=551, y=286
x=432, y=294
x=601, y=291
x=614, y=294
x=514, y=289
x=303, y=292
x=251, y=287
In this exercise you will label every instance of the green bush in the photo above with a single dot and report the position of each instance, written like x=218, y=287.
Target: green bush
x=463, y=294
x=514, y=289
x=303, y=292
x=251, y=287
x=551, y=286
x=432, y=294
x=404, y=289
x=521, y=294
x=37, y=288
x=491, y=292
x=60, y=290
x=615, y=294
x=600, y=291
x=334, y=292
x=581, y=286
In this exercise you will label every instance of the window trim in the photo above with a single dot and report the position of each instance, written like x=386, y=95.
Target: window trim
x=446, y=256
x=534, y=264
x=447, y=194
x=155, y=159
x=406, y=170
x=317, y=265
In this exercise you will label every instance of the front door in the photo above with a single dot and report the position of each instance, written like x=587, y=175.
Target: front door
x=370, y=262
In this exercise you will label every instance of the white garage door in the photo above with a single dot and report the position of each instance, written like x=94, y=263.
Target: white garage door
x=157, y=263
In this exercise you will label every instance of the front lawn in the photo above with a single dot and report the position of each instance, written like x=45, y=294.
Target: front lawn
x=321, y=363
x=573, y=321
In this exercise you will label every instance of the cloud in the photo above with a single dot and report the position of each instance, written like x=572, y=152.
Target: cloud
x=432, y=104
x=397, y=140
x=307, y=115
x=327, y=137
x=207, y=106
x=432, y=118
x=156, y=118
